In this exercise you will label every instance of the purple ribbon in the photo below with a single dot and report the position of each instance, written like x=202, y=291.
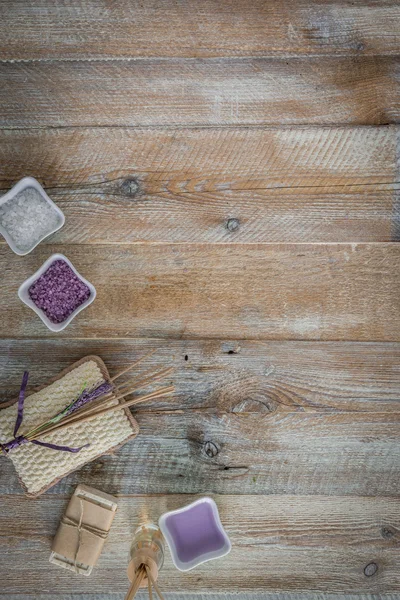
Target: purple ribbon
x=21, y=400
x=19, y=440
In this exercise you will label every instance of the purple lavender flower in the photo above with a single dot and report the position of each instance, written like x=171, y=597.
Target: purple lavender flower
x=89, y=395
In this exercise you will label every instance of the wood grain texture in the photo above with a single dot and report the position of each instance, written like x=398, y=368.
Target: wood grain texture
x=323, y=292
x=255, y=418
x=269, y=452
x=341, y=536
x=194, y=148
x=216, y=595
x=278, y=185
x=230, y=376
x=179, y=92
x=226, y=28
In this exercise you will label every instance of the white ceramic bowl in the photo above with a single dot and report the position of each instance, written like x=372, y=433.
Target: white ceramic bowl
x=29, y=182
x=214, y=521
x=24, y=295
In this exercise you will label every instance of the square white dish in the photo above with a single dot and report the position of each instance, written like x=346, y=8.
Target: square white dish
x=23, y=184
x=195, y=533
x=23, y=293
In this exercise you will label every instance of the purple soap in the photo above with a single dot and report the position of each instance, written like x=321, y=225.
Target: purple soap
x=195, y=534
x=58, y=292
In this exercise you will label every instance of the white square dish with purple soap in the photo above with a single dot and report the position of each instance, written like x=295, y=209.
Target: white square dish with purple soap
x=195, y=534
x=57, y=292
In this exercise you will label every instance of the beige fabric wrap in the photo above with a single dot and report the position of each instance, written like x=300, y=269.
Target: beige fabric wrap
x=83, y=530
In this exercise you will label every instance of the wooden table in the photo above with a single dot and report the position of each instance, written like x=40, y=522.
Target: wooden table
x=229, y=172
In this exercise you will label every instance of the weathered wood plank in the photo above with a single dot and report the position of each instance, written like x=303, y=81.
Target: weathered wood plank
x=336, y=570
x=214, y=595
x=325, y=292
x=278, y=185
x=249, y=417
x=274, y=451
x=94, y=29
x=246, y=418
x=290, y=521
x=179, y=92
x=238, y=377
x=97, y=215
x=282, y=543
x=189, y=451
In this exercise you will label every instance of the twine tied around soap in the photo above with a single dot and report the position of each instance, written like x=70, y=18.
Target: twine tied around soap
x=91, y=403
x=82, y=532
x=97, y=534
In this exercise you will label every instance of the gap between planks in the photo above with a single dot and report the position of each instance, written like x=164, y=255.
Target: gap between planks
x=218, y=59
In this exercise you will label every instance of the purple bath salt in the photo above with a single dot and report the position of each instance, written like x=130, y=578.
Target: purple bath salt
x=58, y=292
x=195, y=534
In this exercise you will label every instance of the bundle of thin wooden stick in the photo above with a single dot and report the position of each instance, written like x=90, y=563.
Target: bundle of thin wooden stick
x=142, y=572
x=99, y=400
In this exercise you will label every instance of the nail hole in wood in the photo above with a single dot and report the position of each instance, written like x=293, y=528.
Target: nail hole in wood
x=130, y=187
x=230, y=349
x=370, y=569
x=387, y=533
x=232, y=224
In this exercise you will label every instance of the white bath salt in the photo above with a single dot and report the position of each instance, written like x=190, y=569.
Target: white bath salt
x=28, y=217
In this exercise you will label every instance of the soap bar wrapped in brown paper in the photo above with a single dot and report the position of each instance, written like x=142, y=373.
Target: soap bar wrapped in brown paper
x=83, y=530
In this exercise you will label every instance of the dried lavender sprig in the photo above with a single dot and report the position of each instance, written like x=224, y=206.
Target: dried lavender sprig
x=93, y=414
x=89, y=395
x=84, y=397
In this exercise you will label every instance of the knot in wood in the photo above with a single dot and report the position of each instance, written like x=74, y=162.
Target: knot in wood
x=130, y=187
x=210, y=449
x=387, y=532
x=233, y=224
x=370, y=569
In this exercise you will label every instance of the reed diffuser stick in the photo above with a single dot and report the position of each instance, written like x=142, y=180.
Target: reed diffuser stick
x=150, y=379
x=133, y=365
x=88, y=408
x=150, y=576
x=149, y=587
x=90, y=403
x=135, y=584
x=131, y=588
x=102, y=402
x=93, y=415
